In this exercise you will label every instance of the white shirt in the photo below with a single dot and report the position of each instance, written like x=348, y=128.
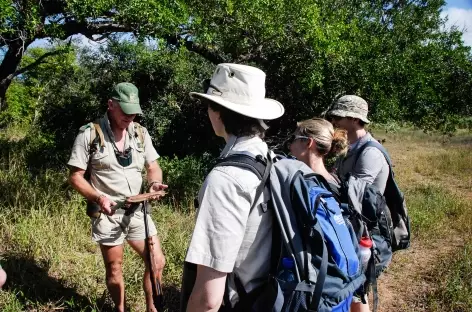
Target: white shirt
x=227, y=237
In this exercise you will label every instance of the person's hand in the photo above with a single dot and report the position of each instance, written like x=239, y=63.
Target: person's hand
x=155, y=187
x=105, y=205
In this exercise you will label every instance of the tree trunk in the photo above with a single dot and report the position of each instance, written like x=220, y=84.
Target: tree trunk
x=7, y=69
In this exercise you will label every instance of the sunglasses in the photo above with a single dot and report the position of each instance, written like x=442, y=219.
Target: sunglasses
x=294, y=137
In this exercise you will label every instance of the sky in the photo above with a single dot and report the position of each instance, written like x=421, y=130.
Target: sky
x=458, y=12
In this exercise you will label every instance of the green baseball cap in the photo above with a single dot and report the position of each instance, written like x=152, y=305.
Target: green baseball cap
x=127, y=95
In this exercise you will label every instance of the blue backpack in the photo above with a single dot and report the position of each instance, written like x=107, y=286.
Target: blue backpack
x=309, y=229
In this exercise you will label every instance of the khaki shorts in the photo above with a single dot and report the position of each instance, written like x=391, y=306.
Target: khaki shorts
x=113, y=230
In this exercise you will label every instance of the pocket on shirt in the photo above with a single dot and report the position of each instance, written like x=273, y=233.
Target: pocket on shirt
x=100, y=160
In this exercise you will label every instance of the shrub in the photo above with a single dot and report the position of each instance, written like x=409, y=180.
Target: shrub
x=184, y=177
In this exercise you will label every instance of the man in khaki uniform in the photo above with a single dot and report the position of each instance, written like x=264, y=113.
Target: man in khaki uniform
x=116, y=150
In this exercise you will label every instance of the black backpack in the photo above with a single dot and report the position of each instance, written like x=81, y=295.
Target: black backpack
x=382, y=217
x=395, y=201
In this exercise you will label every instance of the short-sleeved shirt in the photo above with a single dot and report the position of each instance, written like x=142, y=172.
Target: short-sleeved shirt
x=227, y=237
x=107, y=176
x=371, y=165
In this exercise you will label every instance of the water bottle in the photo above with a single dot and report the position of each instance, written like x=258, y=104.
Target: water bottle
x=286, y=274
x=365, y=246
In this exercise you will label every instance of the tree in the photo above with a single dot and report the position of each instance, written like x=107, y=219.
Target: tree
x=395, y=54
x=24, y=21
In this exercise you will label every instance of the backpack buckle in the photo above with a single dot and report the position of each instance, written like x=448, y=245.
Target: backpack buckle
x=264, y=207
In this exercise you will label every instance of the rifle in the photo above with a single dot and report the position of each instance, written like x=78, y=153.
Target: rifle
x=157, y=295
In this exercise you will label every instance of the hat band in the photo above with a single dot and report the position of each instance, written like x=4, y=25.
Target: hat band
x=235, y=98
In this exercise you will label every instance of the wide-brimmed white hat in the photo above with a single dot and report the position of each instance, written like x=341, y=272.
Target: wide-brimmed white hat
x=241, y=88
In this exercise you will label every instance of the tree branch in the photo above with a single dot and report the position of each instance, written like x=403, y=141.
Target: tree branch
x=201, y=50
x=90, y=29
x=39, y=60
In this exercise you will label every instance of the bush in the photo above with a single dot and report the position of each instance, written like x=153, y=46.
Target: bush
x=184, y=177
x=34, y=150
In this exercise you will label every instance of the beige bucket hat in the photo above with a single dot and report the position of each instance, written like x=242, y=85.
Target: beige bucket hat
x=241, y=88
x=350, y=106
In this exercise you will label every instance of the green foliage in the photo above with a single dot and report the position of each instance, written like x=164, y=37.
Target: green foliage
x=395, y=55
x=21, y=105
x=165, y=77
x=60, y=19
x=25, y=97
x=184, y=177
x=390, y=53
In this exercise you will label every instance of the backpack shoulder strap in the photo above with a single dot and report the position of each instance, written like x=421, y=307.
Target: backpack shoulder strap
x=259, y=166
x=93, y=134
x=329, y=186
x=96, y=136
x=98, y=130
x=94, y=130
x=256, y=165
x=138, y=130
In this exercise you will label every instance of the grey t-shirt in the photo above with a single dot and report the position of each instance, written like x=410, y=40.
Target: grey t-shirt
x=227, y=237
x=371, y=165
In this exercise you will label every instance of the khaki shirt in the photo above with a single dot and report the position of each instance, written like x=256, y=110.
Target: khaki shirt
x=107, y=176
x=227, y=237
x=371, y=165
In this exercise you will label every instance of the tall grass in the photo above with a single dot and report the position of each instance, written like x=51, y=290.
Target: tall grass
x=436, y=210
x=454, y=277
x=454, y=164
x=49, y=256
x=52, y=263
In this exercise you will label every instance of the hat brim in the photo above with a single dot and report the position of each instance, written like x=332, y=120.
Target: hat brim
x=266, y=109
x=342, y=113
x=130, y=108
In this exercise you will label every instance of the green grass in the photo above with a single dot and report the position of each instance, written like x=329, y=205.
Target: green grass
x=53, y=264
x=454, y=277
x=434, y=209
x=454, y=163
x=50, y=258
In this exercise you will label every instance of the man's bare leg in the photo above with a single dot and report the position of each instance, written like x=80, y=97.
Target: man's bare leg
x=140, y=247
x=113, y=259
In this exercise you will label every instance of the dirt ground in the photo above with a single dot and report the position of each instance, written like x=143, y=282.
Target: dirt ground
x=404, y=287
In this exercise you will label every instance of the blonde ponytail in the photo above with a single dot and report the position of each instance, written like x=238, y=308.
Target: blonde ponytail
x=329, y=142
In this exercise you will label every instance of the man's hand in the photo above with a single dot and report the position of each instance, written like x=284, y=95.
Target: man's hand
x=154, y=177
x=155, y=187
x=105, y=205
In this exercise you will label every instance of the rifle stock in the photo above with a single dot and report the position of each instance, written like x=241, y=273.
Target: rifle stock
x=157, y=296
